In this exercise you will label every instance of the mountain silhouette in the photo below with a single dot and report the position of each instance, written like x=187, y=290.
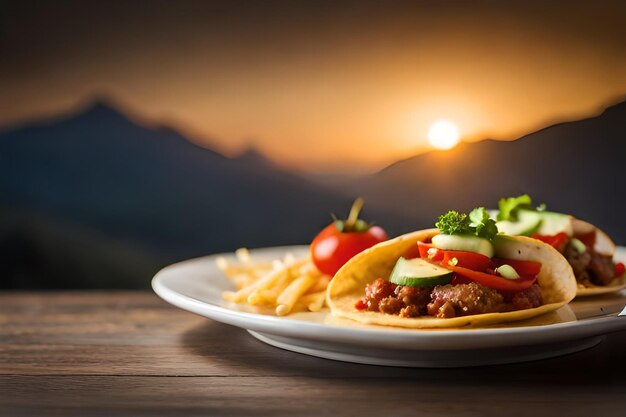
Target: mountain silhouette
x=254, y=157
x=152, y=189
x=574, y=167
x=98, y=198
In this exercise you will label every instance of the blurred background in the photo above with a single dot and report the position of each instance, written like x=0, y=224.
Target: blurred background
x=137, y=134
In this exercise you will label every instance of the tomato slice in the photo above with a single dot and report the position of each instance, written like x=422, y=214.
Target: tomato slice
x=523, y=268
x=493, y=281
x=429, y=251
x=471, y=260
x=557, y=241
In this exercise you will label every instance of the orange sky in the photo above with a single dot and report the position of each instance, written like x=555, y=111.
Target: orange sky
x=317, y=85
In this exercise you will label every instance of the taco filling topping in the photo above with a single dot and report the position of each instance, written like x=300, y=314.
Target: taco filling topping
x=588, y=250
x=455, y=274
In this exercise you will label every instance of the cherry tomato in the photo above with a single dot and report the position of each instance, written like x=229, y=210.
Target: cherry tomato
x=557, y=241
x=493, y=281
x=470, y=260
x=331, y=248
x=341, y=240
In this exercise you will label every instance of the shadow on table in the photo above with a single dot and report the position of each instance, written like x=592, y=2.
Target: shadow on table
x=598, y=365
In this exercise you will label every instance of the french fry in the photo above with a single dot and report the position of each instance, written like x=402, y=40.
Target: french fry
x=320, y=284
x=243, y=255
x=229, y=295
x=242, y=280
x=314, y=301
x=285, y=284
x=309, y=268
x=289, y=259
x=222, y=263
x=267, y=297
x=256, y=270
x=288, y=298
x=242, y=275
x=266, y=282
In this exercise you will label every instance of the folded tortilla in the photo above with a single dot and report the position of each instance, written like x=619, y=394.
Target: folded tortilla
x=604, y=245
x=556, y=279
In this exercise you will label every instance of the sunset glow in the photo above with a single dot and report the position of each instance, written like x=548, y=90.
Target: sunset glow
x=443, y=134
x=316, y=86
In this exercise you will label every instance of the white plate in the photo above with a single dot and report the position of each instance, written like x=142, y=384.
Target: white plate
x=196, y=285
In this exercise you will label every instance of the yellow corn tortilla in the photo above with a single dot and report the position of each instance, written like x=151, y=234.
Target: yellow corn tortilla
x=617, y=284
x=556, y=278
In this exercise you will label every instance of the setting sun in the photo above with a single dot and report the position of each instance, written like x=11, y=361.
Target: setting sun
x=443, y=134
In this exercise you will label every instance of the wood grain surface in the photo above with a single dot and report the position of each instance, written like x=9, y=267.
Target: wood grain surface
x=131, y=354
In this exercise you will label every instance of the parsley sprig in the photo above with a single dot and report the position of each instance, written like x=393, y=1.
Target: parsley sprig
x=477, y=223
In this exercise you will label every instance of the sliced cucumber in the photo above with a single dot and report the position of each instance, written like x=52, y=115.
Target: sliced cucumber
x=553, y=223
x=419, y=272
x=528, y=222
x=509, y=247
x=578, y=245
x=464, y=242
x=531, y=221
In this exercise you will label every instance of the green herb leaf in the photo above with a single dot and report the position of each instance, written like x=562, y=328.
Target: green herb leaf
x=508, y=207
x=453, y=223
x=478, y=223
x=483, y=225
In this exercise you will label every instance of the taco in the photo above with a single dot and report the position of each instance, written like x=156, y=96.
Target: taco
x=588, y=249
x=460, y=274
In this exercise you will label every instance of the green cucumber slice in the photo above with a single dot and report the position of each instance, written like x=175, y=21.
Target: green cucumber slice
x=578, y=245
x=418, y=272
x=508, y=247
x=553, y=223
x=528, y=222
x=464, y=242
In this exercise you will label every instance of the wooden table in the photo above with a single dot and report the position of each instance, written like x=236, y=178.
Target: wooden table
x=129, y=353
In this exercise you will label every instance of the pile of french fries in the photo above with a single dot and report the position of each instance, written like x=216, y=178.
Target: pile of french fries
x=285, y=285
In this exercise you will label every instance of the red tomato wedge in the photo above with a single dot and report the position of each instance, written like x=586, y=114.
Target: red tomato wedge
x=428, y=251
x=470, y=260
x=557, y=241
x=493, y=281
x=523, y=268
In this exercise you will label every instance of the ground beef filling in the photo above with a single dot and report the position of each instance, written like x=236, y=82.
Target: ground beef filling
x=444, y=301
x=590, y=268
x=464, y=300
